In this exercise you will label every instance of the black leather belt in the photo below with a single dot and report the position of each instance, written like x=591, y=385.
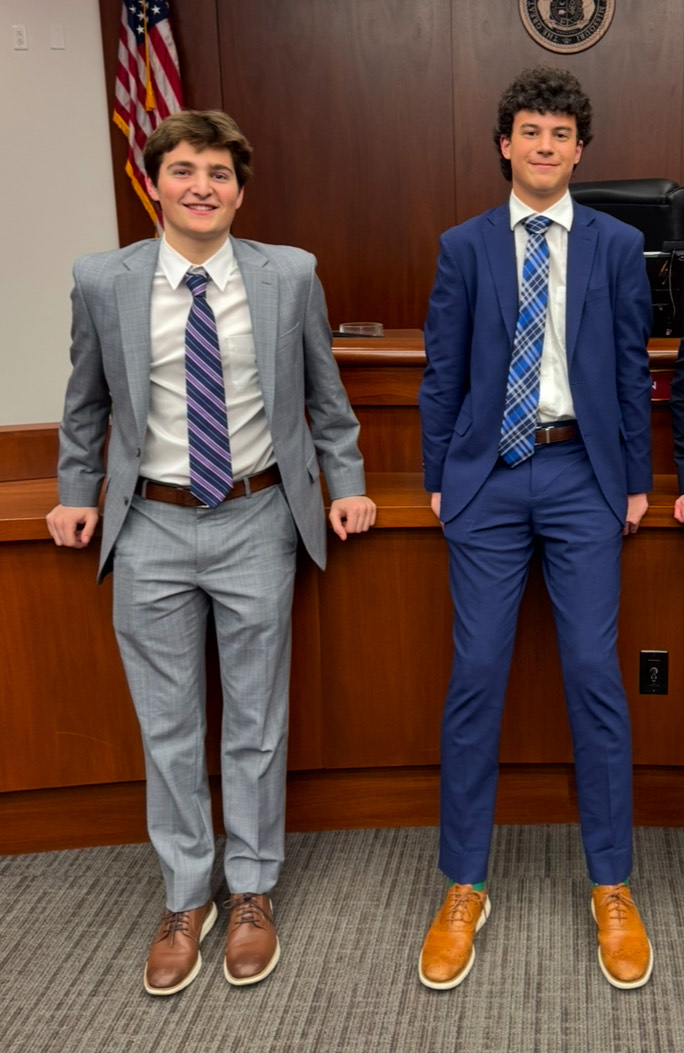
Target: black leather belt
x=180, y=495
x=547, y=433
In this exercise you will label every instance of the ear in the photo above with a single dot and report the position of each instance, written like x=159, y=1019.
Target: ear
x=505, y=146
x=151, y=189
x=578, y=150
x=240, y=198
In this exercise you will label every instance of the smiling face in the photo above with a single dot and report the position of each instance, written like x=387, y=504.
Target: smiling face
x=543, y=150
x=198, y=193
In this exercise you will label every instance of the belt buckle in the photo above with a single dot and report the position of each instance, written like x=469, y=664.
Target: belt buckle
x=545, y=430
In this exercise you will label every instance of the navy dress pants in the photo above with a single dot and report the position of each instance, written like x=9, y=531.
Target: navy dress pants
x=552, y=500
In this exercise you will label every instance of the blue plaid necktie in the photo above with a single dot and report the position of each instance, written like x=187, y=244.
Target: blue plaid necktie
x=522, y=394
x=211, y=475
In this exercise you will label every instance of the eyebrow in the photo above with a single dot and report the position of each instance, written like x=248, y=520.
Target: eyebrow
x=555, y=128
x=212, y=168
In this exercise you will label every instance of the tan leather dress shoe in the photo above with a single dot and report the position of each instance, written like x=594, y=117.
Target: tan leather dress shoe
x=174, y=959
x=448, y=953
x=252, y=947
x=625, y=953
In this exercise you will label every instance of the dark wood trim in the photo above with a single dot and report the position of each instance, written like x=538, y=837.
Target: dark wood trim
x=400, y=496
x=28, y=451
x=83, y=816
x=404, y=560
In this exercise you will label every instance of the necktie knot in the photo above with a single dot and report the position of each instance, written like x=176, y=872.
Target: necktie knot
x=196, y=282
x=536, y=225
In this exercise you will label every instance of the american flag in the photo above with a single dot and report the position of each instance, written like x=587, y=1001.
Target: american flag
x=148, y=85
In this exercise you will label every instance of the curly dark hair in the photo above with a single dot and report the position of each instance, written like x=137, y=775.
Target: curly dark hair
x=543, y=89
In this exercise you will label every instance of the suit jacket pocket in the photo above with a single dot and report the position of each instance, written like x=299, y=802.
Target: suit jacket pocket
x=465, y=416
x=289, y=335
x=312, y=465
x=598, y=293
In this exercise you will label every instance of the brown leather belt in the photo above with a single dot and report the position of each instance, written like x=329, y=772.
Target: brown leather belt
x=556, y=433
x=180, y=495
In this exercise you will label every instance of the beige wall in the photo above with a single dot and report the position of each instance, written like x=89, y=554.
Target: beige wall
x=56, y=194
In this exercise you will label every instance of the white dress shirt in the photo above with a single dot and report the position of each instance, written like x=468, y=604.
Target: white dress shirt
x=555, y=400
x=165, y=455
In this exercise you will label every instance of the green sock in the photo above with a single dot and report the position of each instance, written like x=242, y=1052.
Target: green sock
x=595, y=884
x=479, y=887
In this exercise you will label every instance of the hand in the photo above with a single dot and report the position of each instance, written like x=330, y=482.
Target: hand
x=351, y=515
x=679, y=509
x=637, y=504
x=436, y=504
x=73, y=527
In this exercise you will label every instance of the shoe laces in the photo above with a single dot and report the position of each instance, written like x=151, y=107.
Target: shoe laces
x=462, y=906
x=618, y=905
x=173, y=922
x=245, y=910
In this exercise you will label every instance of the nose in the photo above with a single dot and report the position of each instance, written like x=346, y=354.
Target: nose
x=201, y=186
x=545, y=144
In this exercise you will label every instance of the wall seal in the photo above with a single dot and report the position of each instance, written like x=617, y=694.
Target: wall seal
x=566, y=26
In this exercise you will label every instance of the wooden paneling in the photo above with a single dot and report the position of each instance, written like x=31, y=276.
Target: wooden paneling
x=651, y=619
x=28, y=451
x=371, y=122
x=371, y=650
x=75, y=817
x=348, y=107
x=383, y=703
x=490, y=48
x=67, y=716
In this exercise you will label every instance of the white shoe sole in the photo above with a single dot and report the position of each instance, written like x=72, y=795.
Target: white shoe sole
x=207, y=926
x=623, y=985
x=242, y=981
x=447, y=985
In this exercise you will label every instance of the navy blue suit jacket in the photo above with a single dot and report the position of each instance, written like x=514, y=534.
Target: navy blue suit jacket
x=469, y=338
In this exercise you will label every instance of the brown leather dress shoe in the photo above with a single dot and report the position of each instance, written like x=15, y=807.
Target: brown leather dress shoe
x=625, y=953
x=174, y=959
x=252, y=948
x=448, y=953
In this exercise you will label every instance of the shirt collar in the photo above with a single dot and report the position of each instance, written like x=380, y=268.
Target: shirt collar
x=219, y=266
x=560, y=212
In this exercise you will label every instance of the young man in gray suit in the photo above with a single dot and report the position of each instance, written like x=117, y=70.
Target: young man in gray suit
x=215, y=355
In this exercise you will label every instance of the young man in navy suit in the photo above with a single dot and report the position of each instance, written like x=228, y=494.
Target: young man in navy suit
x=535, y=410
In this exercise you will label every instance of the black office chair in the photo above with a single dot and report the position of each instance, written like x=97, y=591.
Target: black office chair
x=656, y=208
x=653, y=206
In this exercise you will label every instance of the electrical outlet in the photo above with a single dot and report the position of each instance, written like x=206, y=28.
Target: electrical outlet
x=57, y=38
x=653, y=670
x=19, y=38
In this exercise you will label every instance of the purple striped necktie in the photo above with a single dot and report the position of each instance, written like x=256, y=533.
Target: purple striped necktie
x=211, y=474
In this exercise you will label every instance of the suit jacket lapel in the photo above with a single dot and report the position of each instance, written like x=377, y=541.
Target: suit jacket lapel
x=581, y=249
x=133, y=290
x=500, y=248
x=261, y=286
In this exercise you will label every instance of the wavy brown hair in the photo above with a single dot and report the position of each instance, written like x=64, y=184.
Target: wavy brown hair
x=202, y=129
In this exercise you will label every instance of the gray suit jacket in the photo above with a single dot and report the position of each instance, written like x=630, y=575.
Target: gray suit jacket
x=110, y=354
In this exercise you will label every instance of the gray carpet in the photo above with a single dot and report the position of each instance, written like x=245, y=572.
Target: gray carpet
x=352, y=909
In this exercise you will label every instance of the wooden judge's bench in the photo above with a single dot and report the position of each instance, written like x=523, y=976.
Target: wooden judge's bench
x=371, y=651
